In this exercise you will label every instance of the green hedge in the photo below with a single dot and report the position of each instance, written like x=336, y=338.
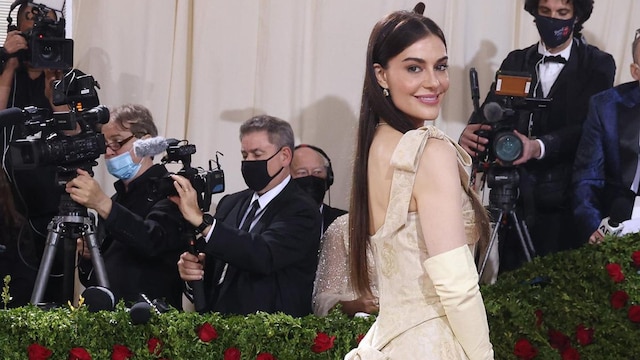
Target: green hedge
x=557, y=307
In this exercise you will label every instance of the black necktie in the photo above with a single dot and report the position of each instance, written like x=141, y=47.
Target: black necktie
x=250, y=216
x=555, y=58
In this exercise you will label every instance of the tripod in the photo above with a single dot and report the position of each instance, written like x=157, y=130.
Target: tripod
x=503, y=183
x=72, y=222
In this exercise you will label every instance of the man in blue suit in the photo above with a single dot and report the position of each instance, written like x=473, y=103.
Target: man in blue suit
x=606, y=166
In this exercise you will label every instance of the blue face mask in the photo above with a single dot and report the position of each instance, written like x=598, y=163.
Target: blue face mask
x=122, y=166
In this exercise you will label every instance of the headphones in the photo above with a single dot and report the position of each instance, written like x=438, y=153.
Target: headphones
x=324, y=155
x=16, y=3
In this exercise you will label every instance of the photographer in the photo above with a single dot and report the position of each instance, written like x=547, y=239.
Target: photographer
x=566, y=70
x=143, y=228
x=35, y=192
x=261, y=248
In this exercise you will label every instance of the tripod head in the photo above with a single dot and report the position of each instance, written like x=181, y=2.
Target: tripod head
x=504, y=184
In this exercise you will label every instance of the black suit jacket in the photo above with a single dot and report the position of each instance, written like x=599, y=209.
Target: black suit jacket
x=329, y=214
x=272, y=267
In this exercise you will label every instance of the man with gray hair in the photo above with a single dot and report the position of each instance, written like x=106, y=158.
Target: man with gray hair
x=261, y=247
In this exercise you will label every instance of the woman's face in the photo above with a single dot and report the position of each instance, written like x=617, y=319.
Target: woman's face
x=417, y=78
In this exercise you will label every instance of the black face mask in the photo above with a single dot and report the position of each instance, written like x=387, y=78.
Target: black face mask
x=314, y=186
x=554, y=32
x=256, y=174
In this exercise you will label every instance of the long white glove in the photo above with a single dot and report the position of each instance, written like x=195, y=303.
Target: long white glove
x=456, y=282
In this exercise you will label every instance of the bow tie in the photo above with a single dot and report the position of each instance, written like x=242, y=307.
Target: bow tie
x=547, y=59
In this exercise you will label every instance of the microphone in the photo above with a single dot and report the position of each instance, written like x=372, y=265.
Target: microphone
x=141, y=311
x=11, y=116
x=99, y=298
x=621, y=209
x=475, y=89
x=493, y=112
x=150, y=147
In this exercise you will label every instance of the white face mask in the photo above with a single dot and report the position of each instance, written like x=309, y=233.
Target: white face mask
x=123, y=167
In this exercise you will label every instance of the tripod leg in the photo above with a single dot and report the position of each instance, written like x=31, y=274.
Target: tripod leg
x=98, y=264
x=518, y=225
x=527, y=237
x=48, y=256
x=494, y=236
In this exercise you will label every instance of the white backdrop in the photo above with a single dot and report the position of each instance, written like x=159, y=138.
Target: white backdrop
x=205, y=66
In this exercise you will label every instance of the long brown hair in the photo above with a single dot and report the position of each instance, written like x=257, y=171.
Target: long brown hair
x=389, y=37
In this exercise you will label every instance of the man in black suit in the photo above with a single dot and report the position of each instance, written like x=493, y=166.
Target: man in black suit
x=311, y=169
x=258, y=257
x=567, y=71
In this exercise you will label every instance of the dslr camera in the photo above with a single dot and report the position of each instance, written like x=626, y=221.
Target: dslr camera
x=504, y=116
x=46, y=142
x=48, y=47
x=205, y=182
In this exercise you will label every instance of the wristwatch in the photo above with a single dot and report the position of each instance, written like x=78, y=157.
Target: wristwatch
x=207, y=220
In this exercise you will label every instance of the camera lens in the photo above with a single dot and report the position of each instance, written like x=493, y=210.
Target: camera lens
x=507, y=146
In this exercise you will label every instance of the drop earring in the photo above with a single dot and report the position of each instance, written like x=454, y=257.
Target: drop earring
x=385, y=92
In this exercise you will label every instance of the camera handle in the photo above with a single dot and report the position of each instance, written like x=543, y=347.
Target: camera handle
x=197, y=286
x=63, y=228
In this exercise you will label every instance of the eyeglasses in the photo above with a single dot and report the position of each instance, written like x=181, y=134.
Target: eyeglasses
x=116, y=145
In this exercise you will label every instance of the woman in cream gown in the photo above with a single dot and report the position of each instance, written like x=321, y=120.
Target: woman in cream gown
x=422, y=221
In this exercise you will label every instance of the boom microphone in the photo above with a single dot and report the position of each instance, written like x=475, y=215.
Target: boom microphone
x=493, y=112
x=621, y=209
x=150, y=147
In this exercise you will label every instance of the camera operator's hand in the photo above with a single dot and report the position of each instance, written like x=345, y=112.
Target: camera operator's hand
x=191, y=267
x=530, y=149
x=86, y=191
x=15, y=42
x=51, y=75
x=471, y=141
x=187, y=200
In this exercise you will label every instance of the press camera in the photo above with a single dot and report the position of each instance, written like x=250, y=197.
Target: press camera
x=47, y=46
x=504, y=116
x=205, y=182
x=46, y=140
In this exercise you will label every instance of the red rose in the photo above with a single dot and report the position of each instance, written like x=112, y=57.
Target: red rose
x=634, y=313
x=538, y=318
x=121, y=352
x=206, y=332
x=584, y=335
x=558, y=340
x=615, y=272
x=265, y=356
x=155, y=346
x=79, y=353
x=570, y=354
x=636, y=258
x=359, y=338
x=524, y=350
x=232, y=354
x=38, y=352
x=619, y=299
x=322, y=342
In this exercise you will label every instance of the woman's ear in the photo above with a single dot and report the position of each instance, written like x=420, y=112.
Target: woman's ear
x=381, y=75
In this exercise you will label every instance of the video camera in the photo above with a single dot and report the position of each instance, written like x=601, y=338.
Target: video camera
x=504, y=116
x=205, y=182
x=48, y=48
x=46, y=142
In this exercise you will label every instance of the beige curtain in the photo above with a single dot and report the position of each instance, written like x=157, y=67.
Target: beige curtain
x=205, y=66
